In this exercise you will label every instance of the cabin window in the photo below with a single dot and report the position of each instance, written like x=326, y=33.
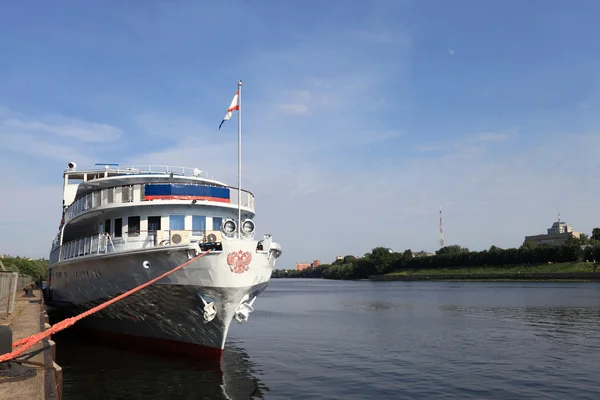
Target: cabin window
x=118, y=227
x=107, y=226
x=177, y=222
x=217, y=221
x=111, y=195
x=124, y=194
x=133, y=226
x=198, y=225
x=96, y=199
x=153, y=223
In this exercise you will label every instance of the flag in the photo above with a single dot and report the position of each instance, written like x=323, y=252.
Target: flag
x=234, y=106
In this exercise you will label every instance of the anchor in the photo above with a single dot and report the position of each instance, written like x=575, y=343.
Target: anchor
x=243, y=311
x=209, y=310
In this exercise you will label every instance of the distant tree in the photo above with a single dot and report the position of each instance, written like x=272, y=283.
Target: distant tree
x=348, y=259
x=364, y=268
x=420, y=254
x=383, y=259
x=452, y=250
x=408, y=254
x=528, y=245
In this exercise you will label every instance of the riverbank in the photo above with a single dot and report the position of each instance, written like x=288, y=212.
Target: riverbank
x=573, y=271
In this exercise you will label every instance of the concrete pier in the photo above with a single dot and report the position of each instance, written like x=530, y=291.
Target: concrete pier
x=36, y=376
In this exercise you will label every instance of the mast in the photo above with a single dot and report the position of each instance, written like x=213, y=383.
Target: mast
x=239, y=159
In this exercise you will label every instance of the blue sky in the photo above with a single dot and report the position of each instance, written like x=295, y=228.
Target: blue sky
x=360, y=118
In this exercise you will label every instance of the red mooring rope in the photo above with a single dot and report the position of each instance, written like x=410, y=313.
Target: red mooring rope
x=28, y=342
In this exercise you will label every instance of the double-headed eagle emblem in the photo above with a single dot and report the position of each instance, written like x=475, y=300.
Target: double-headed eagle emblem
x=239, y=261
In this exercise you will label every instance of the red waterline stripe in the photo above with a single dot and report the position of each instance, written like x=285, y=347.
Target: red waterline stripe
x=160, y=345
x=176, y=197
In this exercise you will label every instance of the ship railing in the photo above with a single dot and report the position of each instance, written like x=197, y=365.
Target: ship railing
x=151, y=238
x=156, y=169
x=138, y=239
x=103, y=243
x=100, y=243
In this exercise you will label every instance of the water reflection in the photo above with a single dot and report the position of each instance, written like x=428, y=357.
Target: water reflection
x=99, y=371
x=551, y=323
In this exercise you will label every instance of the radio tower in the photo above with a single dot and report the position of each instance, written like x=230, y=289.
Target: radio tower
x=441, y=230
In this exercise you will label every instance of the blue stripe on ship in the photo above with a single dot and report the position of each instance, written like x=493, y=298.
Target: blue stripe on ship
x=186, y=191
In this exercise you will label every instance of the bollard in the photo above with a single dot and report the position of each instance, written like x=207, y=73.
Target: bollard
x=5, y=339
x=28, y=291
x=9, y=368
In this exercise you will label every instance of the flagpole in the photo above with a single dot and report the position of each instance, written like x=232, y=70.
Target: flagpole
x=239, y=159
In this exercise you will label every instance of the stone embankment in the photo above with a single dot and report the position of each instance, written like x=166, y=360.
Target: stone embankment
x=35, y=374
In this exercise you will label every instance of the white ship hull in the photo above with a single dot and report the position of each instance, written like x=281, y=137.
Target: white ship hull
x=171, y=314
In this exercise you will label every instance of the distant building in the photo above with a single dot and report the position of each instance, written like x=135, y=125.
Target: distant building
x=301, y=266
x=558, y=234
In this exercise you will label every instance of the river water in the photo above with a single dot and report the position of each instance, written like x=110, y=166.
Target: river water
x=321, y=339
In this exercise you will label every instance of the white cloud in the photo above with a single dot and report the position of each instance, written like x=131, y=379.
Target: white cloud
x=492, y=136
x=470, y=144
x=35, y=151
x=317, y=211
x=427, y=147
x=53, y=137
x=29, y=211
x=293, y=109
x=69, y=128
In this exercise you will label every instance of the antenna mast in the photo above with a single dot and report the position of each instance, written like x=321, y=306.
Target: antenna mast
x=441, y=230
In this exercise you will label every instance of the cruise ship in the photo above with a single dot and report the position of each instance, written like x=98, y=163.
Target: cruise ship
x=123, y=226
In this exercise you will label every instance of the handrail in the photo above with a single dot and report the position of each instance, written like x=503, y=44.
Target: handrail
x=92, y=244
x=147, y=169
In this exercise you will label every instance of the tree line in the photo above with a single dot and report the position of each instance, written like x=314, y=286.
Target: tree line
x=35, y=269
x=382, y=260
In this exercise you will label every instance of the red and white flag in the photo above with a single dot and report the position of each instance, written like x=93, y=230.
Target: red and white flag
x=235, y=105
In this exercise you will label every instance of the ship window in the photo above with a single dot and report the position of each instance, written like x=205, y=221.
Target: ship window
x=217, y=221
x=96, y=199
x=198, y=225
x=133, y=226
x=126, y=194
x=111, y=195
x=118, y=227
x=107, y=226
x=177, y=222
x=154, y=223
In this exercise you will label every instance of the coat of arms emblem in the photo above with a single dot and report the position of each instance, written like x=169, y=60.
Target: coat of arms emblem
x=239, y=261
